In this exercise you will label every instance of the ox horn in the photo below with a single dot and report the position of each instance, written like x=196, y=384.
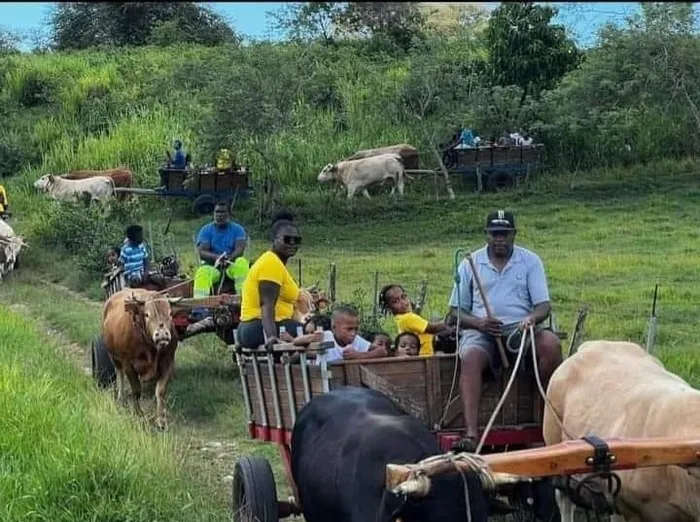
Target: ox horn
x=173, y=300
x=404, y=482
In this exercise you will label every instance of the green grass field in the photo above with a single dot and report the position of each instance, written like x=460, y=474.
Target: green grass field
x=606, y=239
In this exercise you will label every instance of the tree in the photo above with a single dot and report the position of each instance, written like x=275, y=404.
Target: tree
x=79, y=25
x=400, y=24
x=526, y=50
x=9, y=41
x=308, y=21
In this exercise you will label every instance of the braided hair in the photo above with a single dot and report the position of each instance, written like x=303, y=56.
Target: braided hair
x=382, y=301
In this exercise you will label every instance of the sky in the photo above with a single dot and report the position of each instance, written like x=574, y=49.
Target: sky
x=249, y=18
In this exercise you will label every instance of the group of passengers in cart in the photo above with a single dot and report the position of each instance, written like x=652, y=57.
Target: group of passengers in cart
x=512, y=277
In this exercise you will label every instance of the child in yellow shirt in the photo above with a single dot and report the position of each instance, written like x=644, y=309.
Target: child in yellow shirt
x=393, y=298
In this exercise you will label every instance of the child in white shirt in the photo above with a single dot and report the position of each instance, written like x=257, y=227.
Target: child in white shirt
x=348, y=345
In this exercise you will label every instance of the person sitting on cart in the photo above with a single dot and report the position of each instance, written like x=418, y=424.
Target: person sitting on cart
x=220, y=246
x=133, y=256
x=112, y=256
x=179, y=159
x=393, y=299
x=407, y=345
x=270, y=291
x=348, y=344
x=516, y=290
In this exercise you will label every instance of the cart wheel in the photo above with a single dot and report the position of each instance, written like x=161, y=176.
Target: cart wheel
x=103, y=370
x=204, y=205
x=254, y=491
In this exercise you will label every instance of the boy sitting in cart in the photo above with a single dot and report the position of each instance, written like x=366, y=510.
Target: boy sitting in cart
x=133, y=256
x=348, y=344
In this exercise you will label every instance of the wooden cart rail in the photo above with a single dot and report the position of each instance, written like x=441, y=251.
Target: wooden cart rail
x=275, y=389
x=566, y=458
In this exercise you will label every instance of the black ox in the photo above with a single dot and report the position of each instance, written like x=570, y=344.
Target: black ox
x=341, y=444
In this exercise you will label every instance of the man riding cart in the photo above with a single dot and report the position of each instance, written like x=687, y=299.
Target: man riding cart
x=511, y=296
x=220, y=246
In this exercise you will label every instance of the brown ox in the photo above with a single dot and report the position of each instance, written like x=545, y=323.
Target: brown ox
x=408, y=154
x=139, y=334
x=121, y=176
x=615, y=389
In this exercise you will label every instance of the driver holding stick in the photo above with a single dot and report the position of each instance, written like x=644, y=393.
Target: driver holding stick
x=502, y=288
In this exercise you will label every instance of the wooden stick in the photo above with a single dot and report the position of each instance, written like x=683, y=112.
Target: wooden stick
x=567, y=458
x=489, y=312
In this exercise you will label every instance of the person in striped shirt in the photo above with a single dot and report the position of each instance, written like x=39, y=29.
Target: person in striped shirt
x=134, y=256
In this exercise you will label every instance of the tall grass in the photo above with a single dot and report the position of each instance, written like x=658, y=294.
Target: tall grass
x=68, y=453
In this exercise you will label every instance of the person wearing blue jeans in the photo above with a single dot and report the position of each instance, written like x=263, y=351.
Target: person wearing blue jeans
x=516, y=286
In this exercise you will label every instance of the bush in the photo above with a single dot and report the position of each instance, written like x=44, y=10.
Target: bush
x=84, y=231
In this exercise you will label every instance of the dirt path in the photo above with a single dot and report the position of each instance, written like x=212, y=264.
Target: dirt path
x=76, y=353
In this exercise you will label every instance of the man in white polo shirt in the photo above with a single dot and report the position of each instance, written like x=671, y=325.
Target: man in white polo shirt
x=515, y=284
x=345, y=323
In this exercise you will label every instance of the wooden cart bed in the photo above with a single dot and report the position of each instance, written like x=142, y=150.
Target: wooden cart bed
x=421, y=385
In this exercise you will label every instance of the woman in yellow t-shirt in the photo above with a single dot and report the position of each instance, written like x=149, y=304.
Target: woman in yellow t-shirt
x=393, y=298
x=269, y=292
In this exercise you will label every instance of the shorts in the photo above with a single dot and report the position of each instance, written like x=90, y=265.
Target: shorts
x=250, y=333
x=477, y=340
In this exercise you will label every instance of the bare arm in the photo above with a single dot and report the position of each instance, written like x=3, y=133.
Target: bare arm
x=238, y=249
x=205, y=253
x=437, y=327
x=304, y=340
x=374, y=352
x=464, y=319
x=269, y=293
x=541, y=312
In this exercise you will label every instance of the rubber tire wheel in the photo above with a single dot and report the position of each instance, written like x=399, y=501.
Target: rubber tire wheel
x=103, y=370
x=204, y=205
x=254, y=491
x=500, y=181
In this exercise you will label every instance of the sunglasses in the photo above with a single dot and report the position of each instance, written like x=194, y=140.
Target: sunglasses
x=291, y=240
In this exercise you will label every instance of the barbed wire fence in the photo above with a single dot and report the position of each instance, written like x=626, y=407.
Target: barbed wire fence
x=357, y=282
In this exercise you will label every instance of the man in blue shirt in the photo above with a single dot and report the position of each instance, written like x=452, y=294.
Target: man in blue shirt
x=133, y=256
x=179, y=159
x=516, y=286
x=220, y=245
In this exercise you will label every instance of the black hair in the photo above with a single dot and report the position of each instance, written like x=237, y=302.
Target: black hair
x=322, y=320
x=222, y=203
x=383, y=303
x=409, y=334
x=280, y=219
x=114, y=249
x=132, y=231
x=371, y=336
x=346, y=309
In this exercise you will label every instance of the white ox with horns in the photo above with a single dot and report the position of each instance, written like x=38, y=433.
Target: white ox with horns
x=98, y=187
x=615, y=389
x=357, y=175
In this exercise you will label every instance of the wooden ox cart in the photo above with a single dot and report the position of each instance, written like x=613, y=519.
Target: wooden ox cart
x=274, y=390
x=426, y=387
x=204, y=187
